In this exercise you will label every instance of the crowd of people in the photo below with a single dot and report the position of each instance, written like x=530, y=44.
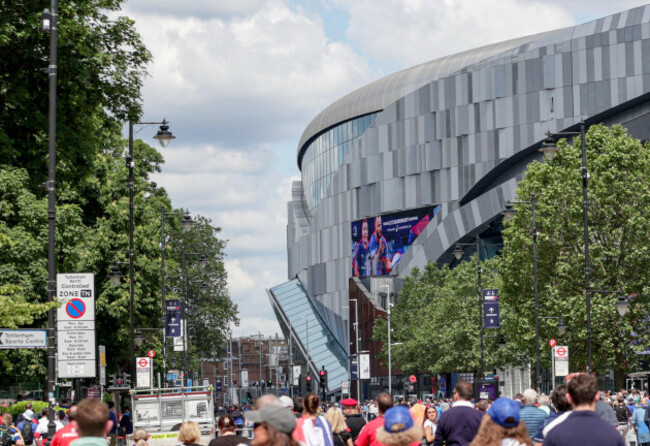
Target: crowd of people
x=575, y=414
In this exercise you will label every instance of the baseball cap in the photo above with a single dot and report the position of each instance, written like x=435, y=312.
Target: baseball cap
x=504, y=412
x=279, y=417
x=349, y=402
x=398, y=427
x=286, y=401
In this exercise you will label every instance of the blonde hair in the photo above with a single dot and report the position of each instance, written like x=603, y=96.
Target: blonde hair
x=189, y=433
x=335, y=417
x=140, y=437
x=491, y=434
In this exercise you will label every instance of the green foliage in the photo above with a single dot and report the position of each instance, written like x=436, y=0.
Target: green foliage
x=435, y=321
x=101, y=66
x=436, y=315
x=619, y=196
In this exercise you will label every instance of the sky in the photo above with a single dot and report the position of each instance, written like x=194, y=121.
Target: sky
x=240, y=80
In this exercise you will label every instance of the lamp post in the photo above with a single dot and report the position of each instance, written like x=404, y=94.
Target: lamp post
x=164, y=136
x=186, y=224
x=356, y=343
x=458, y=254
x=549, y=148
x=509, y=212
x=390, y=366
x=50, y=23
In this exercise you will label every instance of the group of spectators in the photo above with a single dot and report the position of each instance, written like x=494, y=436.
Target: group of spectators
x=575, y=414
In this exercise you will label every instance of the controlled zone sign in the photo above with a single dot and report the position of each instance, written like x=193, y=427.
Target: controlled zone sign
x=76, y=325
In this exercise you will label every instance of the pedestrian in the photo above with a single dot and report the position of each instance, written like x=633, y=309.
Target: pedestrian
x=623, y=415
x=353, y=419
x=562, y=406
x=227, y=436
x=189, y=434
x=43, y=428
x=28, y=414
x=8, y=430
x=502, y=426
x=68, y=433
x=311, y=429
x=430, y=424
x=91, y=423
x=459, y=425
x=27, y=427
x=112, y=429
x=399, y=428
x=340, y=430
x=640, y=426
x=126, y=425
x=273, y=426
x=543, y=404
x=140, y=437
x=531, y=415
x=582, y=425
x=368, y=435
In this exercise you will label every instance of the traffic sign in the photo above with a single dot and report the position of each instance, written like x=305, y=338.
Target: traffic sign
x=143, y=372
x=552, y=342
x=561, y=359
x=76, y=349
x=23, y=338
x=143, y=363
x=561, y=352
x=151, y=354
x=412, y=378
x=491, y=308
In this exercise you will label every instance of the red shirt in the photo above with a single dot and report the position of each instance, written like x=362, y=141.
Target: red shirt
x=65, y=436
x=368, y=435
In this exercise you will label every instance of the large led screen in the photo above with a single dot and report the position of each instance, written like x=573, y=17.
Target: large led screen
x=378, y=243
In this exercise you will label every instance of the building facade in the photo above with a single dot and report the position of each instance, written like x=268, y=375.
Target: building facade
x=441, y=147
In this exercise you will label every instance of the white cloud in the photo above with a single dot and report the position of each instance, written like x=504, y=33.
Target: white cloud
x=408, y=32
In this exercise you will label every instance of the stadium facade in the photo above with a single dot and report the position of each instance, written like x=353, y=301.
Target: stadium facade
x=436, y=151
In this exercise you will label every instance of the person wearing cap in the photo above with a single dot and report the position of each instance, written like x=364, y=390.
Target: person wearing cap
x=368, y=435
x=273, y=426
x=286, y=401
x=399, y=428
x=502, y=426
x=353, y=419
x=459, y=425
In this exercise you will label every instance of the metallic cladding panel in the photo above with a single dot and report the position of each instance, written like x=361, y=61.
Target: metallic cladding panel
x=436, y=139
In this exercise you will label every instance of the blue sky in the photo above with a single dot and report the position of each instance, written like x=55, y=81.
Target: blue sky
x=240, y=80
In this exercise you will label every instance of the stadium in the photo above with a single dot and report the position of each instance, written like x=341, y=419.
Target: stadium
x=395, y=174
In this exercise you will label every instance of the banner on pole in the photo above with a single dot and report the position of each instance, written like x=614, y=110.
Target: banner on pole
x=491, y=308
x=173, y=318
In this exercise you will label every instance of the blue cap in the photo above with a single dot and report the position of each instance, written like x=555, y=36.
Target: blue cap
x=398, y=419
x=504, y=412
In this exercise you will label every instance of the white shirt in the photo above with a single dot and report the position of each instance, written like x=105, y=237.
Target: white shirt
x=432, y=425
x=42, y=426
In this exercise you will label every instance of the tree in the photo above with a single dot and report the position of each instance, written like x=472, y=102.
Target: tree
x=435, y=321
x=618, y=195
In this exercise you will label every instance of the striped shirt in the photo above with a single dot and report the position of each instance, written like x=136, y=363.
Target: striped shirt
x=532, y=418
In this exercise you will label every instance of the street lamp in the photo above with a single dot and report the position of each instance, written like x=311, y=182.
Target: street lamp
x=356, y=343
x=390, y=369
x=186, y=223
x=508, y=214
x=458, y=254
x=164, y=136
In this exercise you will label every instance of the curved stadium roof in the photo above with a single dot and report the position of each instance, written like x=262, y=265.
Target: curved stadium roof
x=382, y=92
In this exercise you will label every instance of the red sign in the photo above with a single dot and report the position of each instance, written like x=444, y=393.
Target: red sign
x=552, y=342
x=143, y=362
x=561, y=352
x=412, y=378
x=151, y=353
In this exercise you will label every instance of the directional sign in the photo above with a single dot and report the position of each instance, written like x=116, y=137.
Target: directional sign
x=173, y=318
x=76, y=349
x=23, y=338
x=491, y=308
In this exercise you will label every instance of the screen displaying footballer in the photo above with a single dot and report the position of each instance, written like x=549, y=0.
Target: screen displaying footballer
x=379, y=242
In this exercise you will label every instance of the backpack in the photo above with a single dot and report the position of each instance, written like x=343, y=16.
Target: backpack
x=27, y=432
x=5, y=436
